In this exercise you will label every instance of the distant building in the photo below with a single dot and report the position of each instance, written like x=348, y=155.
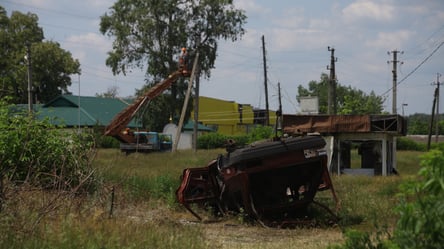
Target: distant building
x=309, y=105
x=74, y=111
x=215, y=115
x=229, y=117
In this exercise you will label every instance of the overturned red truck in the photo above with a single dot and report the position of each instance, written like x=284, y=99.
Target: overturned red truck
x=272, y=182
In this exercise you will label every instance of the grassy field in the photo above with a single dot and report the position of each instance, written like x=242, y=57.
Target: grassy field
x=134, y=207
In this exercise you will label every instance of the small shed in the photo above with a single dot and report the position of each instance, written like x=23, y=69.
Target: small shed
x=187, y=134
x=375, y=136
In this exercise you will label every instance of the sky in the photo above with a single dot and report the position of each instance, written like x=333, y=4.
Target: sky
x=297, y=35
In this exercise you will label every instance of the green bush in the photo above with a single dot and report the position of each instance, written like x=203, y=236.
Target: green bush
x=260, y=133
x=421, y=209
x=241, y=140
x=39, y=154
x=211, y=141
x=103, y=141
x=363, y=240
x=403, y=143
x=107, y=142
x=217, y=140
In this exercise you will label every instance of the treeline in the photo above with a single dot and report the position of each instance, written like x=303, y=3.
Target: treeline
x=419, y=124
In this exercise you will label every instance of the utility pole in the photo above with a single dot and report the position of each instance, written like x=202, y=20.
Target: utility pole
x=395, y=75
x=28, y=59
x=185, y=104
x=78, y=107
x=437, y=106
x=332, y=83
x=279, y=112
x=196, y=108
x=432, y=119
x=394, y=103
x=196, y=100
x=267, y=121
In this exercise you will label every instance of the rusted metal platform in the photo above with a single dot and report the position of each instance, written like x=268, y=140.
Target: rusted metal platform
x=332, y=124
x=375, y=134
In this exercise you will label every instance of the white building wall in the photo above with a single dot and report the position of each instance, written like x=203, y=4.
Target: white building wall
x=185, y=141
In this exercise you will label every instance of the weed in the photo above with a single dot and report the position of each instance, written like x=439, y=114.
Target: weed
x=146, y=216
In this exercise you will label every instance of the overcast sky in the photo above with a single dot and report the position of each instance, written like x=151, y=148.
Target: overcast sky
x=297, y=34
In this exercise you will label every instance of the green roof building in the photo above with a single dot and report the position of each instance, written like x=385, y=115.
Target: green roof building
x=75, y=111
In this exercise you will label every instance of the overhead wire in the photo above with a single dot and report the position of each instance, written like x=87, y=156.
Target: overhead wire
x=416, y=68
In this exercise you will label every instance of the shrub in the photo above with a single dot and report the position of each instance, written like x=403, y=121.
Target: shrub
x=107, y=142
x=103, y=141
x=409, y=144
x=421, y=211
x=260, y=133
x=211, y=141
x=39, y=154
x=216, y=140
x=363, y=240
x=241, y=140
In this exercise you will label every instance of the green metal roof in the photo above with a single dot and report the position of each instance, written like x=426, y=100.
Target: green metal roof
x=200, y=127
x=73, y=110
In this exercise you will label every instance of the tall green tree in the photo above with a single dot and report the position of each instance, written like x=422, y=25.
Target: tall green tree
x=348, y=100
x=51, y=65
x=150, y=33
x=419, y=124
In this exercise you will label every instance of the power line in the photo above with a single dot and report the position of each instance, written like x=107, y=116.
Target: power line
x=416, y=68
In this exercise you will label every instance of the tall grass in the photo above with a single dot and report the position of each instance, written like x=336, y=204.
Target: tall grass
x=87, y=232
x=153, y=175
x=115, y=164
x=145, y=214
x=369, y=201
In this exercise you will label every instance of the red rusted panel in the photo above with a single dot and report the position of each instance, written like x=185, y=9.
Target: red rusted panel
x=297, y=124
x=326, y=123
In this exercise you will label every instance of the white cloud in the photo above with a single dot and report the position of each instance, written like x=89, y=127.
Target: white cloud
x=251, y=38
x=102, y=3
x=251, y=6
x=366, y=9
x=88, y=45
x=91, y=40
x=291, y=18
x=394, y=39
x=289, y=39
x=38, y=3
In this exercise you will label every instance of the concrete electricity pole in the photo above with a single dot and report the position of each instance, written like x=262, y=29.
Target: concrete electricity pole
x=395, y=83
x=279, y=112
x=267, y=119
x=332, y=83
x=28, y=59
x=185, y=103
x=437, y=83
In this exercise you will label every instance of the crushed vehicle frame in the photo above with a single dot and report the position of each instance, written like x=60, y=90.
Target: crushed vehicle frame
x=272, y=182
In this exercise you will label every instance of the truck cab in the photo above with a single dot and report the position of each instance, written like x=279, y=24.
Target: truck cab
x=146, y=141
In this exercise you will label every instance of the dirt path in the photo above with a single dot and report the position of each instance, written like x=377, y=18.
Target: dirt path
x=231, y=234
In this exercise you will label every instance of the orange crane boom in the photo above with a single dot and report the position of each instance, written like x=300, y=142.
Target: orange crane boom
x=117, y=126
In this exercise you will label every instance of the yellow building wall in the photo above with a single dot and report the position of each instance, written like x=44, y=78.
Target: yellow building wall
x=272, y=117
x=226, y=117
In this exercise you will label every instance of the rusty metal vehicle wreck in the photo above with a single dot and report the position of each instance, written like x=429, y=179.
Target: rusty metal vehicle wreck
x=272, y=182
